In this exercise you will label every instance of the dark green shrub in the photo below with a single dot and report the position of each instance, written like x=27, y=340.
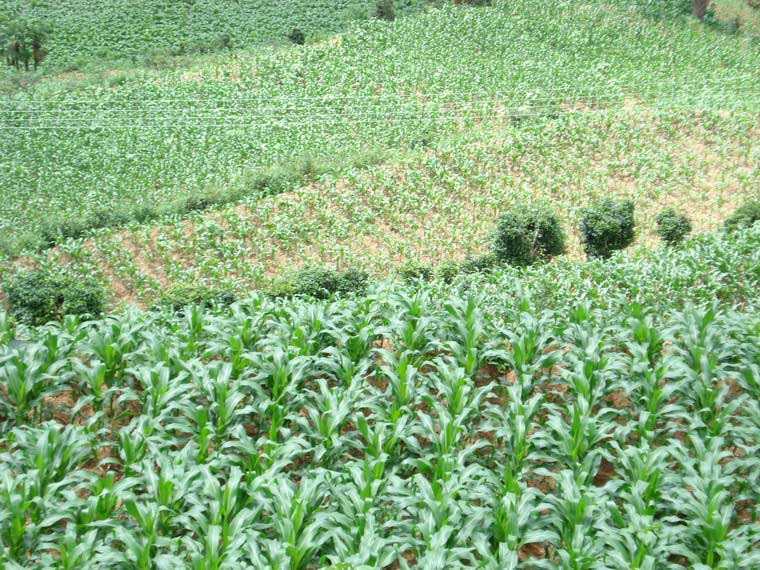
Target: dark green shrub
x=416, y=272
x=672, y=227
x=448, y=271
x=607, y=225
x=40, y=296
x=479, y=264
x=297, y=37
x=745, y=216
x=316, y=282
x=320, y=283
x=353, y=281
x=385, y=10
x=526, y=234
x=281, y=289
x=474, y=2
x=180, y=296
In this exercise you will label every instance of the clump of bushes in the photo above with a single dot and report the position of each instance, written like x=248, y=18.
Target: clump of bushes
x=672, y=227
x=180, y=296
x=526, y=234
x=353, y=281
x=479, y=264
x=449, y=270
x=744, y=217
x=297, y=37
x=473, y=2
x=385, y=10
x=39, y=296
x=412, y=271
x=607, y=225
x=321, y=283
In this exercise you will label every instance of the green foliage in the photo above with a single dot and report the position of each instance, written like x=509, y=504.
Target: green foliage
x=412, y=271
x=281, y=288
x=526, y=234
x=7, y=328
x=206, y=125
x=448, y=271
x=21, y=43
x=672, y=227
x=606, y=226
x=179, y=296
x=385, y=10
x=297, y=37
x=353, y=281
x=118, y=30
x=260, y=182
x=745, y=216
x=38, y=296
x=320, y=283
x=463, y=424
x=474, y=2
x=480, y=264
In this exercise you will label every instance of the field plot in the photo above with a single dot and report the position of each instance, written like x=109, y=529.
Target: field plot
x=599, y=414
x=412, y=428
x=83, y=32
x=108, y=149
x=441, y=204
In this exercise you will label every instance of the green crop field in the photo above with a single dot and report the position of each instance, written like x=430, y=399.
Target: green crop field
x=130, y=145
x=85, y=31
x=599, y=415
x=474, y=286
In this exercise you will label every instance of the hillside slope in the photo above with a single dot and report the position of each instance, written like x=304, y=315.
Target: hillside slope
x=531, y=416
x=128, y=146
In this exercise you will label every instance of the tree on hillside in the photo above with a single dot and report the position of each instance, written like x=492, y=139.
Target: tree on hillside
x=699, y=8
x=22, y=44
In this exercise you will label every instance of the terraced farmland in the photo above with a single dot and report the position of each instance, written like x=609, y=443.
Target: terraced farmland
x=132, y=145
x=427, y=405
x=412, y=428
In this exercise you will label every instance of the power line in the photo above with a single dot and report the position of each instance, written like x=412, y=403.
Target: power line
x=264, y=112
x=339, y=97
x=451, y=115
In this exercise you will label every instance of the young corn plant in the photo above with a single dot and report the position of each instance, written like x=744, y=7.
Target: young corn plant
x=28, y=378
x=573, y=515
x=637, y=536
x=703, y=503
x=329, y=410
x=359, y=540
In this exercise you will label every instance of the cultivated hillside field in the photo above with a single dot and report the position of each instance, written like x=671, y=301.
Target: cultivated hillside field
x=360, y=284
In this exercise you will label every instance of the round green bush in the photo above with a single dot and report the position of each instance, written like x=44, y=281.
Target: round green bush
x=672, y=227
x=385, y=10
x=745, y=216
x=40, y=296
x=606, y=226
x=411, y=271
x=353, y=281
x=526, y=234
x=319, y=283
x=297, y=37
x=448, y=271
x=179, y=296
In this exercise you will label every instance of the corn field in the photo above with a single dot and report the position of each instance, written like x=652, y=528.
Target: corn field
x=434, y=427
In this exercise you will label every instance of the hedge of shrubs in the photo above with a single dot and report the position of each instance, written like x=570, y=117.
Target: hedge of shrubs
x=36, y=297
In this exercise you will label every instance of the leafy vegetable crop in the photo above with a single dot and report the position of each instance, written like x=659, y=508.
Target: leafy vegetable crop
x=433, y=427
